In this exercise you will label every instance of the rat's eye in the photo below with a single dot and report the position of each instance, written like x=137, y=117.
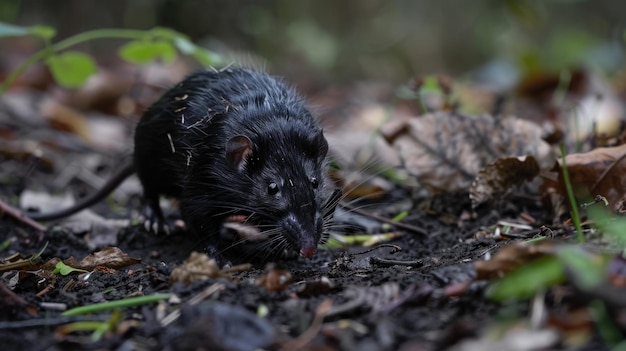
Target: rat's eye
x=314, y=182
x=272, y=188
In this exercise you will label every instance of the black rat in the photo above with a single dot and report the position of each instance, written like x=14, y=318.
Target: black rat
x=232, y=143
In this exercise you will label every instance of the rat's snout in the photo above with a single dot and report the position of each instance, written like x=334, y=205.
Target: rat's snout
x=308, y=252
x=303, y=237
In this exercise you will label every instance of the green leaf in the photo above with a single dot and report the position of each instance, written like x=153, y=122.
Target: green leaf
x=430, y=85
x=400, y=216
x=142, y=52
x=64, y=269
x=165, y=50
x=43, y=32
x=207, y=58
x=10, y=30
x=71, y=69
x=137, y=51
x=527, y=280
x=587, y=273
x=185, y=46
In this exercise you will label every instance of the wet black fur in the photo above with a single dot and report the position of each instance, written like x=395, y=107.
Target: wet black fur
x=180, y=148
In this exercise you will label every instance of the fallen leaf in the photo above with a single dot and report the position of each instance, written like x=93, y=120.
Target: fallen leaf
x=65, y=118
x=111, y=257
x=275, y=279
x=498, y=177
x=445, y=151
x=197, y=266
x=323, y=285
x=598, y=172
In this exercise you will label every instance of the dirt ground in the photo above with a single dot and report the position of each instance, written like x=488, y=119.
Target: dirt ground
x=418, y=295
x=417, y=290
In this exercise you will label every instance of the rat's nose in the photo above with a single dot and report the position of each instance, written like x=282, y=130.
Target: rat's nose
x=308, y=251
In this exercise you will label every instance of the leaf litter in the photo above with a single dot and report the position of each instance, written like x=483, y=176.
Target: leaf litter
x=446, y=286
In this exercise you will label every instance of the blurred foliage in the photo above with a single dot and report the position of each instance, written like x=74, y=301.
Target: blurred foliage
x=378, y=39
x=71, y=69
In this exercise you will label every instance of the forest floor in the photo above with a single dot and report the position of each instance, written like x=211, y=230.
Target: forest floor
x=427, y=285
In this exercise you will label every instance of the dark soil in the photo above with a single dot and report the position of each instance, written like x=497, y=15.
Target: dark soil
x=394, y=299
x=416, y=292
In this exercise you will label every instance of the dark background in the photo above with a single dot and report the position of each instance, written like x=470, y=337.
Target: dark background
x=336, y=41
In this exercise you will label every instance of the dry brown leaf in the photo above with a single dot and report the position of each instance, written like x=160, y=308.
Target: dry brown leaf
x=445, y=151
x=111, y=257
x=598, y=172
x=65, y=118
x=197, y=266
x=498, y=177
x=275, y=279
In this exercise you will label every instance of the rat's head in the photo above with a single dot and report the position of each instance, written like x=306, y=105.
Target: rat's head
x=286, y=169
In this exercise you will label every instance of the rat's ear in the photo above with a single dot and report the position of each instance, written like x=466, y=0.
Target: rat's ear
x=317, y=146
x=314, y=145
x=323, y=146
x=238, y=148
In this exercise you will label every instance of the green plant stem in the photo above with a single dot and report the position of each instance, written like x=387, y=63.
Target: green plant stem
x=129, y=302
x=69, y=42
x=570, y=196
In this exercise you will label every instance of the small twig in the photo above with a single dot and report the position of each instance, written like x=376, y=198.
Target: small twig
x=395, y=248
x=387, y=262
x=521, y=235
x=20, y=216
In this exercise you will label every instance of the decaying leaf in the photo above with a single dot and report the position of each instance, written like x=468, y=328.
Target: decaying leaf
x=275, y=279
x=498, y=177
x=65, y=118
x=445, y=151
x=111, y=257
x=323, y=285
x=197, y=266
x=598, y=172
